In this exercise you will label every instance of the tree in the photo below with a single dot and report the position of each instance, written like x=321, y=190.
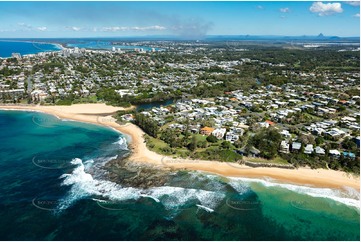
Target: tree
x=147, y=124
x=267, y=141
x=319, y=140
x=226, y=145
x=193, y=144
x=212, y=139
x=307, y=139
x=349, y=144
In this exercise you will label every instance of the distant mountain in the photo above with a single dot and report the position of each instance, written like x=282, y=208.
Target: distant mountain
x=319, y=37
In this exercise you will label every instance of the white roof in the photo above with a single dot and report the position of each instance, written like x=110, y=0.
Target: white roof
x=334, y=152
x=319, y=150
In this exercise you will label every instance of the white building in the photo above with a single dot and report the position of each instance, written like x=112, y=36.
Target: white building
x=219, y=133
x=308, y=149
x=319, y=150
x=334, y=153
x=232, y=137
x=284, y=147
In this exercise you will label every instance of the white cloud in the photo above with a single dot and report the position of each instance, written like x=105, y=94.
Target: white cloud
x=324, y=9
x=42, y=28
x=259, y=7
x=28, y=27
x=25, y=26
x=75, y=28
x=357, y=15
x=353, y=3
x=136, y=28
x=284, y=10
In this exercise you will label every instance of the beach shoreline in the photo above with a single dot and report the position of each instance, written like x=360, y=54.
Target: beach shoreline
x=100, y=114
x=57, y=45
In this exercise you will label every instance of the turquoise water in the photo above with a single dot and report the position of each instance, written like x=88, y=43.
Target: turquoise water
x=24, y=48
x=151, y=105
x=54, y=187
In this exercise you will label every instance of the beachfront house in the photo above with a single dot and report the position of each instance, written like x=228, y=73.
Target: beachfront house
x=334, y=153
x=251, y=151
x=296, y=147
x=319, y=150
x=284, y=147
x=308, y=149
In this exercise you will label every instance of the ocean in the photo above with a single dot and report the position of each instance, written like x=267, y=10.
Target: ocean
x=8, y=47
x=55, y=186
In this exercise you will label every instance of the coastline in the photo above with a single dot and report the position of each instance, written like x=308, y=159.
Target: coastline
x=57, y=45
x=100, y=114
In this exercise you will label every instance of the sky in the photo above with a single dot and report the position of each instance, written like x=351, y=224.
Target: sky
x=184, y=19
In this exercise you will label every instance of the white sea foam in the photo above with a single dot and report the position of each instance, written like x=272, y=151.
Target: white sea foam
x=154, y=198
x=210, y=182
x=349, y=197
x=83, y=184
x=122, y=142
x=66, y=120
x=205, y=208
x=241, y=188
x=104, y=160
x=174, y=197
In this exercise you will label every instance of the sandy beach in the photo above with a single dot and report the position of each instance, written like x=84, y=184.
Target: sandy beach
x=101, y=114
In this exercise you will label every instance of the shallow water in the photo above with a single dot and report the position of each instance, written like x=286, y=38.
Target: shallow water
x=54, y=187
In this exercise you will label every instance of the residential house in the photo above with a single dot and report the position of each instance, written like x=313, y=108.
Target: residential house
x=270, y=122
x=206, y=130
x=252, y=152
x=296, y=146
x=232, y=137
x=319, y=150
x=219, y=133
x=308, y=149
x=285, y=133
x=284, y=147
x=334, y=153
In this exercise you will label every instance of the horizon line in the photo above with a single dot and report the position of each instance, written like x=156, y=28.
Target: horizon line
x=186, y=37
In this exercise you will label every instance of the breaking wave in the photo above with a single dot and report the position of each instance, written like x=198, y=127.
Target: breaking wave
x=85, y=185
x=122, y=142
x=347, y=196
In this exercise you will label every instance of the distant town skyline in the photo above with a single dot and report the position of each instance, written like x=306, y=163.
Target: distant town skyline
x=183, y=19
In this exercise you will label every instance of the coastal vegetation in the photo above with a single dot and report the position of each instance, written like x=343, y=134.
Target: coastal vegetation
x=265, y=97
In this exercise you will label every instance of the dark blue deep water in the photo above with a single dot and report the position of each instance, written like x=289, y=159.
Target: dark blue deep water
x=24, y=48
x=54, y=187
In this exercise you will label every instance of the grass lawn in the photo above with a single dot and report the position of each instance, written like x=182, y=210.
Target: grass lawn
x=312, y=118
x=158, y=144
x=200, y=137
x=164, y=127
x=88, y=99
x=276, y=160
